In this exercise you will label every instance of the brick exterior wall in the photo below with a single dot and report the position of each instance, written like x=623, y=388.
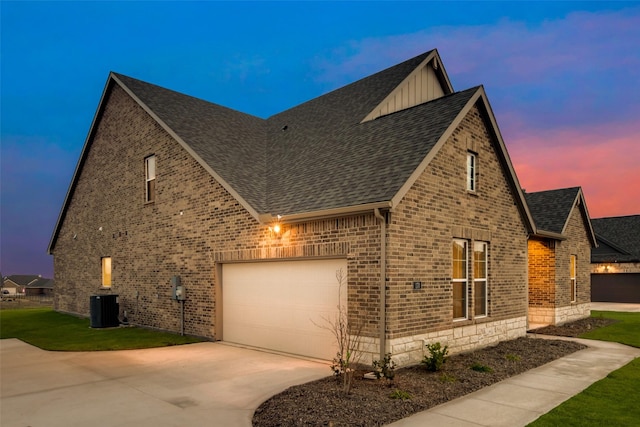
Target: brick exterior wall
x=437, y=209
x=542, y=273
x=194, y=225
x=550, y=275
x=616, y=267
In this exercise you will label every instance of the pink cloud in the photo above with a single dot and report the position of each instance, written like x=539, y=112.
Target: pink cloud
x=606, y=168
x=565, y=92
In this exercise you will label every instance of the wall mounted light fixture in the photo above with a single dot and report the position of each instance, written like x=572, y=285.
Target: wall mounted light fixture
x=276, y=228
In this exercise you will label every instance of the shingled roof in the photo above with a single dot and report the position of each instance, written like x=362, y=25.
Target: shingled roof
x=618, y=239
x=23, y=279
x=325, y=156
x=551, y=210
x=319, y=154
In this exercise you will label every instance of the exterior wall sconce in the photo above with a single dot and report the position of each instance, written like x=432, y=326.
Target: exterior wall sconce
x=276, y=228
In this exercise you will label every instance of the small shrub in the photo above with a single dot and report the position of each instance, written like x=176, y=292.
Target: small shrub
x=437, y=357
x=512, y=357
x=446, y=378
x=400, y=394
x=385, y=369
x=478, y=367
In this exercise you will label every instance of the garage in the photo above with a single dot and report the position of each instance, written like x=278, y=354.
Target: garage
x=279, y=305
x=615, y=287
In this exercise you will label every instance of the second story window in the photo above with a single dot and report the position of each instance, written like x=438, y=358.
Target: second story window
x=150, y=178
x=471, y=171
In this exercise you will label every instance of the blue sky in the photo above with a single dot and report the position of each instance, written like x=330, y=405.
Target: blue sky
x=562, y=78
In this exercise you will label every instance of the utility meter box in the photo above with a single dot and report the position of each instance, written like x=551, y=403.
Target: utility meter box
x=177, y=289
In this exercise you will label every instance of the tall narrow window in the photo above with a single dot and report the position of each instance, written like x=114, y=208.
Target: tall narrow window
x=471, y=172
x=480, y=279
x=106, y=272
x=150, y=173
x=459, y=279
x=574, y=290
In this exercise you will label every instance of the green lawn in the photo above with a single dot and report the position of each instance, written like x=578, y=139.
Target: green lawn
x=626, y=331
x=612, y=401
x=50, y=330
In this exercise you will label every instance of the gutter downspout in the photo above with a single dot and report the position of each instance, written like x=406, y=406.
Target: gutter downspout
x=383, y=282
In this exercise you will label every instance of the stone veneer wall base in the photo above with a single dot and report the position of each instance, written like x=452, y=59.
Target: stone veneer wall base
x=559, y=315
x=411, y=350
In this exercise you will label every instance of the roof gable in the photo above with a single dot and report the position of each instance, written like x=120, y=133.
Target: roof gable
x=349, y=163
x=319, y=158
x=552, y=209
x=228, y=143
x=428, y=81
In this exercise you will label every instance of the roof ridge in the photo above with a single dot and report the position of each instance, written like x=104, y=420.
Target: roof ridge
x=181, y=94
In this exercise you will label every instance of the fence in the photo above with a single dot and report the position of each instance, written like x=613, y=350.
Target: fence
x=29, y=299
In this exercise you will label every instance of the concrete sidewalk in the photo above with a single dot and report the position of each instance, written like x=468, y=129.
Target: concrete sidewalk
x=616, y=306
x=519, y=400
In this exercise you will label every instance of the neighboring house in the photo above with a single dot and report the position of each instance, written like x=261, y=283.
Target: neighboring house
x=559, y=257
x=41, y=286
x=17, y=283
x=615, y=268
x=396, y=180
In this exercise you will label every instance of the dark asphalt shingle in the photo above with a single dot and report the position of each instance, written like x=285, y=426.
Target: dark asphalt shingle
x=551, y=209
x=326, y=158
x=230, y=142
x=23, y=279
x=618, y=239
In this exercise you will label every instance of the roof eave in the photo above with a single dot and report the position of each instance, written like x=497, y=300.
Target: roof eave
x=269, y=218
x=549, y=235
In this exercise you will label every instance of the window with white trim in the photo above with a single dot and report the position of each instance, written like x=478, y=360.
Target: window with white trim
x=471, y=171
x=480, y=288
x=106, y=272
x=574, y=290
x=459, y=279
x=150, y=178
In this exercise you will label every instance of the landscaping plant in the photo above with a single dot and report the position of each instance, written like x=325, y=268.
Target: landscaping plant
x=437, y=357
x=348, y=339
x=400, y=395
x=385, y=369
x=479, y=367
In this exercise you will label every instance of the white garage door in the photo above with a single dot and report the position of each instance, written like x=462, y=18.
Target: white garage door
x=274, y=305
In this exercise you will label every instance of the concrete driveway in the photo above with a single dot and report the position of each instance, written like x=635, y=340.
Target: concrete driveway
x=201, y=384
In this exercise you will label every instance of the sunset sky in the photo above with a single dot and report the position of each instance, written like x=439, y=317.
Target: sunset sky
x=563, y=79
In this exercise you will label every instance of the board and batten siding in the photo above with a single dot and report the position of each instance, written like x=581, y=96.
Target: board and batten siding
x=419, y=87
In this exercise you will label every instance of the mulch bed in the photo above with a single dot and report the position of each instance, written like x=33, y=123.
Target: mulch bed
x=322, y=402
